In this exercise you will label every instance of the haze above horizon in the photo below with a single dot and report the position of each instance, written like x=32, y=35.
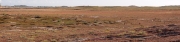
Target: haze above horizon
x=90, y=2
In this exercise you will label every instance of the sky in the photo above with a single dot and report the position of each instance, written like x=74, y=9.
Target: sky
x=90, y=2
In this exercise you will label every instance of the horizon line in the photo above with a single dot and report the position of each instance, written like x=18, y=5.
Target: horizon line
x=98, y=5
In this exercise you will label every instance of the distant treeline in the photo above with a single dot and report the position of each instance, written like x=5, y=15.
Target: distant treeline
x=174, y=7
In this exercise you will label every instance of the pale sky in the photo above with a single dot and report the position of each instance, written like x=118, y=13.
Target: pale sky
x=90, y=2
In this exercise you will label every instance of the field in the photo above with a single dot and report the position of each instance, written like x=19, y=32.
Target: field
x=90, y=24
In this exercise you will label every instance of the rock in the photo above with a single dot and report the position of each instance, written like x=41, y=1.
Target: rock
x=59, y=28
x=111, y=22
x=37, y=17
x=86, y=23
x=49, y=26
x=170, y=25
x=71, y=26
x=136, y=36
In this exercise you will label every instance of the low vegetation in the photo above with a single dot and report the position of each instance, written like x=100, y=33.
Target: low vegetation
x=90, y=24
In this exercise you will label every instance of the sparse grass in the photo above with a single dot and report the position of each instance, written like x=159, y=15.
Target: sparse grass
x=137, y=32
x=69, y=22
x=45, y=24
x=37, y=20
x=133, y=33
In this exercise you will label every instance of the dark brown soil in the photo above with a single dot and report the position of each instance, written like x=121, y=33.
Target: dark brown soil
x=154, y=34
